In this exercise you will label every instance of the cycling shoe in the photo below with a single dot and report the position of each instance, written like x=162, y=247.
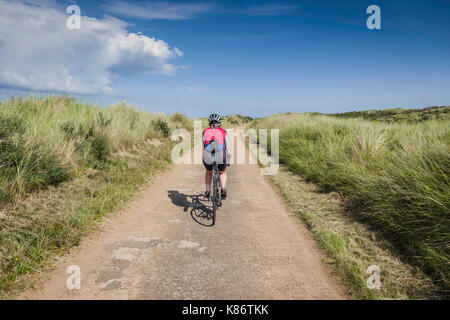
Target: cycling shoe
x=223, y=193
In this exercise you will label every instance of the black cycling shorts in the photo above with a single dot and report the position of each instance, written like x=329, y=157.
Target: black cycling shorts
x=221, y=162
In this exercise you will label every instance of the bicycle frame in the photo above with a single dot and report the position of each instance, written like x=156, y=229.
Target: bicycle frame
x=216, y=196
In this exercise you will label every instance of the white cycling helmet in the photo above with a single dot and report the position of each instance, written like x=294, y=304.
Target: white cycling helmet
x=215, y=119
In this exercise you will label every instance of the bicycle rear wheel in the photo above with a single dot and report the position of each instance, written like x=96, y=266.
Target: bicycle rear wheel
x=215, y=197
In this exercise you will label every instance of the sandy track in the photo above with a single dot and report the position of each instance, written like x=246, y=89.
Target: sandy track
x=155, y=249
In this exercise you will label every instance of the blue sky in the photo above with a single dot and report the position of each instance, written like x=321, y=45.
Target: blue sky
x=255, y=58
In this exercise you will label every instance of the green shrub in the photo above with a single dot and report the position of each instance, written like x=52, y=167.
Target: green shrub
x=100, y=147
x=163, y=127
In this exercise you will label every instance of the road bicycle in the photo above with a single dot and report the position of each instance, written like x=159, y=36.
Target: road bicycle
x=216, y=197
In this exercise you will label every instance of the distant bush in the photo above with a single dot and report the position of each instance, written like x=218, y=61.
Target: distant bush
x=235, y=120
x=178, y=117
x=180, y=121
x=398, y=114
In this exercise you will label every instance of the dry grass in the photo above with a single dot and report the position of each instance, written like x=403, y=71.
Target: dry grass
x=395, y=175
x=350, y=245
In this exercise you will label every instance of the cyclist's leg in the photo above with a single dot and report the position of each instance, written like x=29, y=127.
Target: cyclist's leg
x=223, y=178
x=208, y=177
x=223, y=182
x=223, y=175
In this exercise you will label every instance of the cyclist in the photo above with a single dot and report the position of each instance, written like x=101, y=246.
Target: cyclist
x=215, y=133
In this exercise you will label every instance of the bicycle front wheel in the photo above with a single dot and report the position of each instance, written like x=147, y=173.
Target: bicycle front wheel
x=215, y=198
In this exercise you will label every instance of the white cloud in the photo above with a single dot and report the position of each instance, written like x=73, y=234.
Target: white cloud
x=164, y=10
x=269, y=10
x=158, y=10
x=38, y=52
x=193, y=89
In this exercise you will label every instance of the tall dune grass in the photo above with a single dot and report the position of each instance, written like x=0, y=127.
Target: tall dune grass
x=63, y=164
x=47, y=141
x=396, y=177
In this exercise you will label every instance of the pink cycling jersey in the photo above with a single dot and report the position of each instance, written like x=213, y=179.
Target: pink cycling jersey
x=218, y=134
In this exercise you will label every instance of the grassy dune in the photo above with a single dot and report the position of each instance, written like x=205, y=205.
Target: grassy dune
x=63, y=165
x=393, y=176
x=398, y=114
